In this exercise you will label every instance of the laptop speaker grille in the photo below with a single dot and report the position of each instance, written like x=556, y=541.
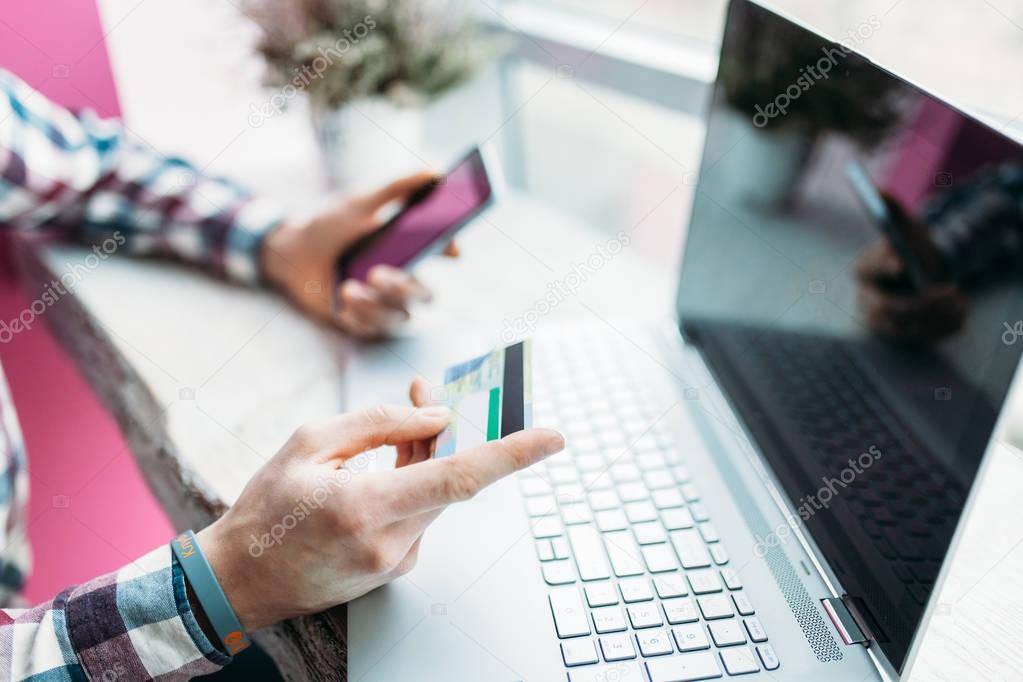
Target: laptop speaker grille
x=814, y=628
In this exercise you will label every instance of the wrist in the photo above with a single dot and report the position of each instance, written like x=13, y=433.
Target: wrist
x=274, y=258
x=233, y=574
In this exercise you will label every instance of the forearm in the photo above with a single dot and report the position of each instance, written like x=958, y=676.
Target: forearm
x=94, y=180
x=135, y=623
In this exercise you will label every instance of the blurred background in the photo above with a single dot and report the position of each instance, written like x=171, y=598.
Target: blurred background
x=594, y=105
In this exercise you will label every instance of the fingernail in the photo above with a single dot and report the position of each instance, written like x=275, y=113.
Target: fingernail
x=396, y=318
x=555, y=444
x=423, y=294
x=436, y=412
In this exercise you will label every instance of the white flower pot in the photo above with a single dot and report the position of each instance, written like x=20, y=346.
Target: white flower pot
x=765, y=166
x=369, y=141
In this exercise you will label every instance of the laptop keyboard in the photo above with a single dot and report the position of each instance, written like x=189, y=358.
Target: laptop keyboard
x=640, y=582
x=909, y=507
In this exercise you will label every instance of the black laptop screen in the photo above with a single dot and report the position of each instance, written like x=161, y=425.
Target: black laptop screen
x=853, y=274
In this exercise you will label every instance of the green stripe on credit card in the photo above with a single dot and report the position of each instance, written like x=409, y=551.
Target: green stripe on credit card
x=494, y=415
x=490, y=397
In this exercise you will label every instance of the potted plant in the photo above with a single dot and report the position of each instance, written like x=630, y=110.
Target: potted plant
x=368, y=67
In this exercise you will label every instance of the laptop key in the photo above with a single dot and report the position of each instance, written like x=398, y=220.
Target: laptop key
x=558, y=572
x=690, y=548
x=608, y=619
x=591, y=462
x=617, y=648
x=702, y=665
x=560, y=547
x=645, y=616
x=654, y=643
x=704, y=582
x=601, y=594
x=576, y=513
x=589, y=553
x=739, y=661
x=714, y=606
x=742, y=604
x=649, y=533
x=756, y=630
x=699, y=511
x=569, y=493
x=718, y=554
x=668, y=498
x=659, y=558
x=601, y=500
x=680, y=610
x=544, y=551
x=676, y=519
x=651, y=460
x=621, y=473
x=597, y=481
x=726, y=632
x=560, y=475
x=659, y=478
x=668, y=586
x=632, y=492
x=690, y=638
x=570, y=619
x=546, y=527
x=624, y=554
x=681, y=473
x=731, y=578
x=635, y=590
x=639, y=512
x=768, y=657
x=579, y=652
x=533, y=485
x=611, y=520
x=690, y=492
x=617, y=672
x=709, y=532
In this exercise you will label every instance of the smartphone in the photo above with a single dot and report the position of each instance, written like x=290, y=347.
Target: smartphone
x=889, y=221
x=429, y=219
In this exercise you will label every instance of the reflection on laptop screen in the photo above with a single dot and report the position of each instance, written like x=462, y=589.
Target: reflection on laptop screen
x=853, y=276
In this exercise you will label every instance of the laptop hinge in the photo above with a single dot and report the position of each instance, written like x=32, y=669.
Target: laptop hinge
x=843, y=614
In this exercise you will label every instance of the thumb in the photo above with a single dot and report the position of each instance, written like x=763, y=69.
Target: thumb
x=349, y=434
x=398, y=189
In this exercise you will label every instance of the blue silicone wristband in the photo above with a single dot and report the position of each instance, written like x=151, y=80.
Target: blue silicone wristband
x=211, y=596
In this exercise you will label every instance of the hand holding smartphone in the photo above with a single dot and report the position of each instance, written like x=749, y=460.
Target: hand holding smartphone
x=907, y=237
x=428, y=221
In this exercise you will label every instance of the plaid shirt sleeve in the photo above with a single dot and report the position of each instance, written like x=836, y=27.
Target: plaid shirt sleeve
x=93, y=179
x=134, y=624
x=978, y=227
x=88, y=177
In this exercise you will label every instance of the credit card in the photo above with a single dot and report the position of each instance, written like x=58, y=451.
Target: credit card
x=489, y=396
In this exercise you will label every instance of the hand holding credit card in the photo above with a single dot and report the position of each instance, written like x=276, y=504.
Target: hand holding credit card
x=490, y=397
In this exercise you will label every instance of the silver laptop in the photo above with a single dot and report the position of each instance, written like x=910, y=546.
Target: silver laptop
x=771, y=486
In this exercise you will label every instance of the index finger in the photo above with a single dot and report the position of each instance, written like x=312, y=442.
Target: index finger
x=398, y=189
x=440, y=482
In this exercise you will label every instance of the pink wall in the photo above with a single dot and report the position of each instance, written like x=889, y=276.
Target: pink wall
x=90, y=510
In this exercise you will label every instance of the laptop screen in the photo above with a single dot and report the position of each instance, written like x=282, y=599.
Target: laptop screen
x=853, y=275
